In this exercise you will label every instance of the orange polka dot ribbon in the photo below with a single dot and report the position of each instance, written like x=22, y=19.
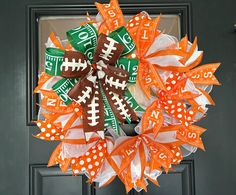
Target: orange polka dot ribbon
x=171, y=94
x=91, y=161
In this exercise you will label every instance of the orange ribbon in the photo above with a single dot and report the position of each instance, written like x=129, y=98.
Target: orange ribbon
x=112, y=16
x=51, y=102
x=56, y=158
x=57, y=43
x=91, y=161
x=204, y=75
x=143, y=30
x=160, y=156
x=171, y=101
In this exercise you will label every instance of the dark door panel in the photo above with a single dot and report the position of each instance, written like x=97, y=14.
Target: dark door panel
x=23, y=158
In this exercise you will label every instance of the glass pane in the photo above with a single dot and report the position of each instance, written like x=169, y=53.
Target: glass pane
x=170, y=24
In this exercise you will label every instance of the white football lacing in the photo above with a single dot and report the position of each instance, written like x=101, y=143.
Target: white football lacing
x=121, y=105
x=107, y=54
x=86, y=94
x=94, y=109
x=117, y=84
x=75, y=66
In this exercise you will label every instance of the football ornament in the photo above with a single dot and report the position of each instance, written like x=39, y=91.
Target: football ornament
x=110, y=73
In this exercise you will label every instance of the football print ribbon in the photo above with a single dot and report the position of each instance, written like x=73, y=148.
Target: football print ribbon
x=98, y=76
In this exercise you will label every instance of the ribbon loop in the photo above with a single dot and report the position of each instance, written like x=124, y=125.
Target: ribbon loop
x=122, y=36
x=75, y=65
x=108, y=50
x=116, y=79
x=84, y=39
x=130, y=65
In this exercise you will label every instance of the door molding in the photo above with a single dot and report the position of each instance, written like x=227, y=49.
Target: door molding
x=40, y=172
x=34, y=12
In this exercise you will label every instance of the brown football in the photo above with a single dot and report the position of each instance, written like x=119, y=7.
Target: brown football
x=75, y=64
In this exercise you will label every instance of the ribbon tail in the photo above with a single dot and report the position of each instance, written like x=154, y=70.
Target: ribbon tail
x=121, y=108
x=153, y=180
x=146, y=34
x=93, y=112
x=160, y=155
x=191, y=136
x=42, y=80
x=127, y=151
x=141, y=182
x=112, y=16
x=49, y=131
x=128, y=181
x=149, y=77
x=56, y=158
x=152, y=118
x=108, y=182
x=55, y=41
x=208, y=97
x=109, y=116
x=191, y=50
x=92, y=167
x=204, y=75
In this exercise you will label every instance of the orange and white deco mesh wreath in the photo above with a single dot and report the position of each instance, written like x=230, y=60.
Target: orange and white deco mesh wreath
x=109, y=72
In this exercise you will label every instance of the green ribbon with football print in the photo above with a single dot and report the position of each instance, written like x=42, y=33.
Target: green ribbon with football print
x=132, y=102
x=53, y=61
x=62, y=87
x=122, y=36
x=130, y=65
x=108, y=76
x=109, y=117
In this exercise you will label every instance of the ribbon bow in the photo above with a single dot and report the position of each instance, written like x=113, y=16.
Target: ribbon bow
x=147, y=157
x=100, y=79
x=173, y=102
x=91, y=160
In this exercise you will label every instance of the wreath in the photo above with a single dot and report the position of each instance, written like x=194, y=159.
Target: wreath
x=109, y=73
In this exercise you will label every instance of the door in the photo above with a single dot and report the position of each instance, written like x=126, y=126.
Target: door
x=23, y=159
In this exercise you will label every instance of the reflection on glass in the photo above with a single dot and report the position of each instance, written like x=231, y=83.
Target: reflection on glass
x=170, y=24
